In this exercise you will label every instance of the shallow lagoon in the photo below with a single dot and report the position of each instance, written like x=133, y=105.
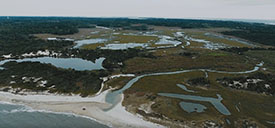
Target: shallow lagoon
x=66, y=63
x=192, y=107
x=216, y=102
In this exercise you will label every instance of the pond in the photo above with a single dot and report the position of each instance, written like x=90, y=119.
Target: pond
x=192, y=107
x=216, y=102
x=66, y=63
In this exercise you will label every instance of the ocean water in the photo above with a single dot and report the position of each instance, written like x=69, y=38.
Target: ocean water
x=18, y=116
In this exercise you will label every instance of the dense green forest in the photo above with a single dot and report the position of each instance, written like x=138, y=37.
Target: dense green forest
x=245, y=49
x=64, y=81
x=200, y=81
x=16, y=38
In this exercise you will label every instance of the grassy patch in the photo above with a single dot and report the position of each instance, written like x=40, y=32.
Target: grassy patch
x=92, y=46
x=135, y=39
x=82, y=34
x=218, y=54
x=118, y=82
x=176, y=62
x=267, y=56
x=164, y=83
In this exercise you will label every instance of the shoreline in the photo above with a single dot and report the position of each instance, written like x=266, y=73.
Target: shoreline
x=29, y=109
x=74, y=105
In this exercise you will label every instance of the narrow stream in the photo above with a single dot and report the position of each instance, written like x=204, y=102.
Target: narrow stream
x=116, y=96
x=184, y=88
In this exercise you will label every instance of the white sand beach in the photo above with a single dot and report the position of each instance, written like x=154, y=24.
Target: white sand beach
x=91, y=107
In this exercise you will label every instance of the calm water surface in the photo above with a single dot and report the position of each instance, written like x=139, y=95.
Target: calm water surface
x=66, y=63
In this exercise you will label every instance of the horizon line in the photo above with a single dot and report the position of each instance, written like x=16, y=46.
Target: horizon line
x=137, y=17
x=245, y=20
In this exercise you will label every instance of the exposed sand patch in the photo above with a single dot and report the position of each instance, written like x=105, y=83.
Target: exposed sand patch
x=89, y=107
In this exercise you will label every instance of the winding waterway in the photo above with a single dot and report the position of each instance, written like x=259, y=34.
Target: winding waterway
x=116, y=96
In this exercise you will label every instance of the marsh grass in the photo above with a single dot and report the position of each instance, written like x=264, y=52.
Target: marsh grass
x=257, y=107
x=135, y=39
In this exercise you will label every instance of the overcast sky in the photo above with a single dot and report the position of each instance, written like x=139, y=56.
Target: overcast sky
x=234, y=9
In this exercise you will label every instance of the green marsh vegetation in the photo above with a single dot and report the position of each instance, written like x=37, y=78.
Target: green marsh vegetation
x=18, y=35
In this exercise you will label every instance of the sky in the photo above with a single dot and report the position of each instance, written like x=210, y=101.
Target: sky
x=228, y=9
